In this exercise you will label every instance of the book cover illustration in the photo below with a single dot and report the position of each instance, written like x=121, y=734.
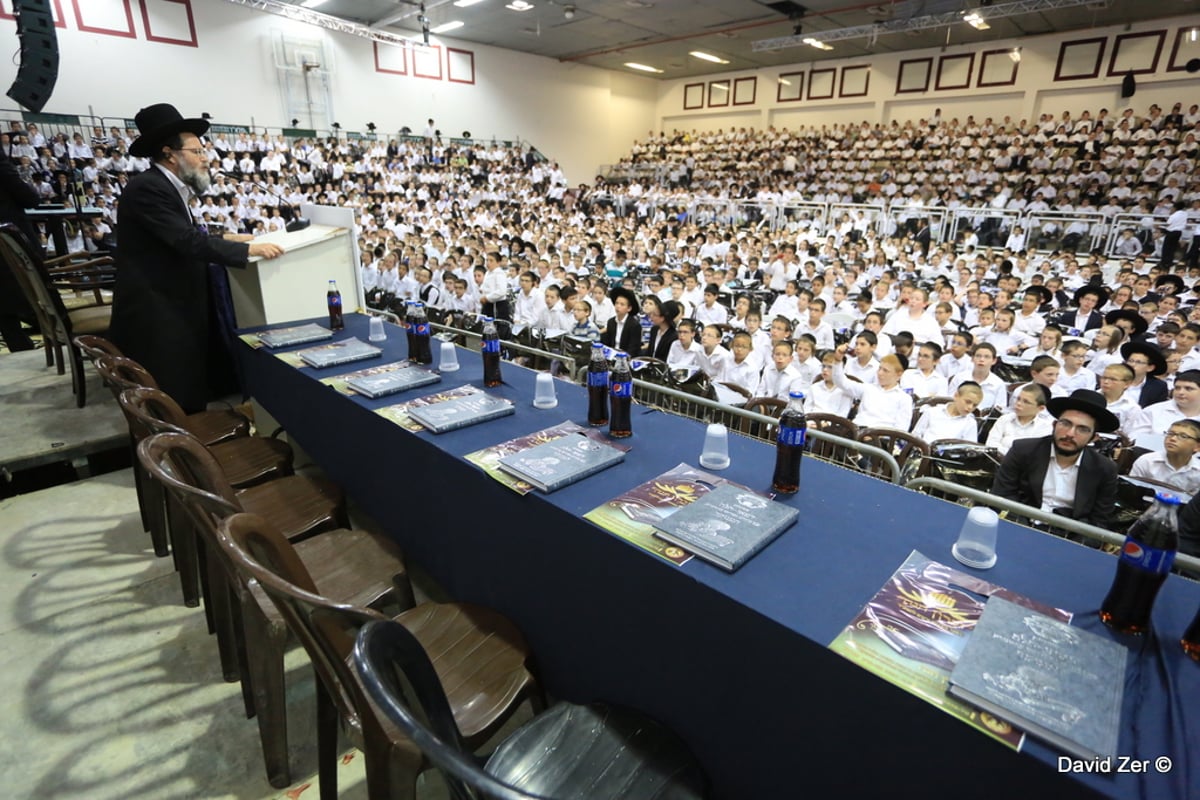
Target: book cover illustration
x=1063, y=685
x=343, y=352
x=251, y=339
x=913, y=631
x=339, y=382
x=562, y=461
x=399, y=413
x=488, y=459
x=728, y=525
x=382, y=380
x=461, y=412
x=296, y=334
x=634, y=514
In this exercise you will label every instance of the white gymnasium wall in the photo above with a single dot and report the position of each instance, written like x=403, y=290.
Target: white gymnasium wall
x=1041, y=85
x=580, y=115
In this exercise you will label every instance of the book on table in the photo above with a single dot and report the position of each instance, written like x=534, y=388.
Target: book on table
x=297, y=334
x=400, y=378
x=559, y=462
x=728, y=525
x=344, y=352
x=1061, y=684
x=460, y=412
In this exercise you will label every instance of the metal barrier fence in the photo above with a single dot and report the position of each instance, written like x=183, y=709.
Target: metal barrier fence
x=1184, y=563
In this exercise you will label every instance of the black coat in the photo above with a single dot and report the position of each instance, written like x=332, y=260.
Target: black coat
x=1024, y=468
x=1154, y=390
x=161, y=303
x=660, y=345
x=631, y=335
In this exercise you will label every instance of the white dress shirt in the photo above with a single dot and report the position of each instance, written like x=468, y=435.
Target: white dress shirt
x=931, y=385
x=1156, y=467
x=1008, y=429
x=1058, y=488
x=878, y=407
x=936, y=423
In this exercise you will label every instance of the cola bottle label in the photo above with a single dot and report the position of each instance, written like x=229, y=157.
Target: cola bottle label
x=597, y=379
x=422, y=329
x=1146, y=558
x=792, y=436
x=491, y=346
x=622, y=389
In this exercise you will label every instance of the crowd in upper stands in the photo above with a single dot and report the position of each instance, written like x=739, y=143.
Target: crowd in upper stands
x=867, y=313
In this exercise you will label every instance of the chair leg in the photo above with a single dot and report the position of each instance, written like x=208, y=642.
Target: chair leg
x=139, y=484
x=183, y=544
x=156, y=513
x=206, y=587
x=265, y=647
x=388, y=777
x=327, y=742
x=78, y=376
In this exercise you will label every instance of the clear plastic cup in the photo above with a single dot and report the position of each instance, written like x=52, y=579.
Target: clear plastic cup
x=447, y=358
x=377, y=334
x=976, y=545
x=715, y=454
x=543, y=394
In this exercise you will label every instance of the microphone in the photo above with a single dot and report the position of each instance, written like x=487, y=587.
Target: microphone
x=291, y=212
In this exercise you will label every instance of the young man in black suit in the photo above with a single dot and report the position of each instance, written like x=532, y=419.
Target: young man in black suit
x=1147, y=363
x=1060, y=473
x=163, y=313
x=624, y=331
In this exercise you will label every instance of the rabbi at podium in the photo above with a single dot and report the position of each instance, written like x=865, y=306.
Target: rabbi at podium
x=164, y=316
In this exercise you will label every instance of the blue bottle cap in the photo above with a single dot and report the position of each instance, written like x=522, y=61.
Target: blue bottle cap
x=1168, y=498
x=796, y=395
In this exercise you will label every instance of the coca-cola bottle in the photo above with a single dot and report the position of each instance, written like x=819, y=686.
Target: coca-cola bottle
x=789, y=445
x=333, y=299
x=597, y=387
x=1146, y=558
x=491, y=353
x=1191, y=639
x=620, y=423
x=418, y=323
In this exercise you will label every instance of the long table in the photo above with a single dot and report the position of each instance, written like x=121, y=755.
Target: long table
x=735, y=663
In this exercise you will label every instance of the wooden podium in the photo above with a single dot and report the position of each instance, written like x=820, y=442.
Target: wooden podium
x=293, y=286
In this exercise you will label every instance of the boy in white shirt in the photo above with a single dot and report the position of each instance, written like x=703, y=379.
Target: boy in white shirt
x=1025, y=421
x=953, y=420
x=710, y=312
x=1073, y=375
x=742, y=368
x=923, y=379
x=958, y=359
x=824, y=396
x=995, y=392
x=864, y=366
x=713, y=357
x=781, y=377
x=685, y=351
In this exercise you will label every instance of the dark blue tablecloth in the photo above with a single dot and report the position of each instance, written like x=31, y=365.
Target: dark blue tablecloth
x=736, y=663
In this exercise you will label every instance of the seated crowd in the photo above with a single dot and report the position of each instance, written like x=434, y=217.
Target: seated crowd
x=868, y=321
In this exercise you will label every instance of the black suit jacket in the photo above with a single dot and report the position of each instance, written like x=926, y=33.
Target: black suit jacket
x=161, y=301
x=1024, y=468
x=1066, y=319
x=660, y=343
x=631, y=335
x=1153, y=391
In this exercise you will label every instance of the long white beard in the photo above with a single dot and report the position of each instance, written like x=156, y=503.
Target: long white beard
x=198, y=179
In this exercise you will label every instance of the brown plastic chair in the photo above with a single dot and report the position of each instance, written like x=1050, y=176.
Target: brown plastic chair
x=58, y=325
x=245, y=462
x=95, y=347
x=835, y=426
x=901, y=444
x=771, y=407
x=352, y=566
x=479, y=657
x=920, y=405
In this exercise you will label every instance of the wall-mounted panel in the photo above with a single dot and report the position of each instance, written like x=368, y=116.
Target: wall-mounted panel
x=997, y=68
x=855, y=81
x=391, y=59
x=914, y=75
x=718, y=94
x=745, y=91
x=954, y=72
x=789, y=87
x=1079, y=59
x=1185, y=48
x=1136, y=52
x=169, y=22
x=460, y=65
x=693, y=96
x=820, y=84
x=107, y=19
x=427, y=61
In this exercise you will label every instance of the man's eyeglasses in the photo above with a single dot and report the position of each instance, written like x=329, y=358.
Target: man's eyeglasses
x=1082, y=430
x=1178, y=435
x=196, y=151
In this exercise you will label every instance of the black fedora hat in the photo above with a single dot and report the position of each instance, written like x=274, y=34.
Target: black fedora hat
x=1041, y=291
x=1091, y=288
x=1089, y=402
x=1157, y=359
x=159, y=122
x=1139, y=325
x=1170, y=280
x=621, y=291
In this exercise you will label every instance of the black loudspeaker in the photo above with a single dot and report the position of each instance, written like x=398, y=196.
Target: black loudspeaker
x=38, y=70
x=1128, y=85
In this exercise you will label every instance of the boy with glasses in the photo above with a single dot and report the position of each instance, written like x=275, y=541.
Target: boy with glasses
x=1177, y=464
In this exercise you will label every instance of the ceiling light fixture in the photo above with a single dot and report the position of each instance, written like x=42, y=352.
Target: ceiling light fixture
x=811, y=42
x=976, y=21
x=641, y=67
x=519, y=5
x=1193, y=34
x=1015, y=54
x=466, y=3
x=785, y=81
x=447, y=26
x=703, y=56
x=312, y=3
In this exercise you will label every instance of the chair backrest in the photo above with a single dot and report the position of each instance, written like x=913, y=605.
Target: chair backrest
x=27, y=267
x=901, y=444
x=835, y=426
x=151, y=411
x=122, y=373
x=394, y=669
x=191, y=474
x=95, y=347
x=327, y=629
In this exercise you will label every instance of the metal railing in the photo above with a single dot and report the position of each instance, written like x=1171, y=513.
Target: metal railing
x=1184, y=563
